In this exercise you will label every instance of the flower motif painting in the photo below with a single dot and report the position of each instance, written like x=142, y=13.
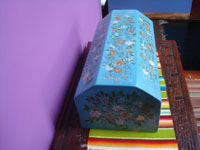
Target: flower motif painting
x=147, y=53
x=120, y=49
x=117, y=109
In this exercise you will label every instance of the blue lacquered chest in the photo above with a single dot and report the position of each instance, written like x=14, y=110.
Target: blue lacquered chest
x=119, y=87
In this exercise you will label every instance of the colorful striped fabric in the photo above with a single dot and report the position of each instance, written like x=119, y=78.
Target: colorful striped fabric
x=163, y=139
x=194, y=92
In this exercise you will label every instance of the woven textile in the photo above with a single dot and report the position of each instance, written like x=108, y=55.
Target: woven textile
x=194, y=92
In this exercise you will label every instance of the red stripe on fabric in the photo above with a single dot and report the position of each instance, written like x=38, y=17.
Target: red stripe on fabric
x=165, y=118
x=165, y=100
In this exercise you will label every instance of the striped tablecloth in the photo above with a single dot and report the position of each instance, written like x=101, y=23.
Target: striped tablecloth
x=164, y=139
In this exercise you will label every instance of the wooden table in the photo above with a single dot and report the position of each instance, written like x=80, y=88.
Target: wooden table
x=70, y=136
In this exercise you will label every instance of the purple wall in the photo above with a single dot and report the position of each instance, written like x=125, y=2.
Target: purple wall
x=40, y=42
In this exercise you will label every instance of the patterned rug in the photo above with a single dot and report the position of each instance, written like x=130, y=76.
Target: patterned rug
x=164, y=139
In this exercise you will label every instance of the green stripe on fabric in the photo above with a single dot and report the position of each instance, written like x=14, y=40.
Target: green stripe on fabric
x=163, y=94
x=159, y=72
x=162, y=82
x=162, y=133
x=196, y=107
x=194, y=93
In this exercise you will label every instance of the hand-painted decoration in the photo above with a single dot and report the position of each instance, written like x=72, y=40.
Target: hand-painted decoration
x=120, y=48
x=119, y=87
x=117, y=109
x=147, y=51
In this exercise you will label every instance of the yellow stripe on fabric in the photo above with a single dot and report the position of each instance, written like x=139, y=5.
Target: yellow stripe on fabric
x=165, y=106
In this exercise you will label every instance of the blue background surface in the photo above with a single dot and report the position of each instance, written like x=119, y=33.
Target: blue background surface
x=158, y=6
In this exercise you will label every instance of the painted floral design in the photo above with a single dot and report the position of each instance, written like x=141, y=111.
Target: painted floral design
x=121, y=44
x=146, y=46
x=95, y=53
x=117, y=109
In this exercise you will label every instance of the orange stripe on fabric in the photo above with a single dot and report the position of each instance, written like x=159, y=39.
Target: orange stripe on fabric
x=166, y=124
x=132, y=143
